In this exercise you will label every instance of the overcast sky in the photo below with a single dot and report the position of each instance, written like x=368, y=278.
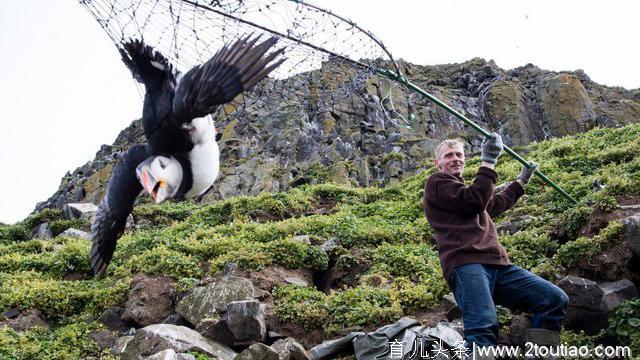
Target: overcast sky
x=65, y=91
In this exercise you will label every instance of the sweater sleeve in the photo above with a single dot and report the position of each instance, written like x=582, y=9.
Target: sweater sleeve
x=448, y=192
x=505, y=199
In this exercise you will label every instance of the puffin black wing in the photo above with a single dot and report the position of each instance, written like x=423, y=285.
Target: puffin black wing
x=232, y=70
x=115, y=207
x=163, y=132
x=146, y=65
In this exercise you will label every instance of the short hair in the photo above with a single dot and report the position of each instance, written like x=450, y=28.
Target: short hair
x=449, y=143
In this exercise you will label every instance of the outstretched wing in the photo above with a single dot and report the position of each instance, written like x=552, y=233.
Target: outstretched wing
x=232, y=70
x=147, y=65
x=115, y=207
x=156, y=73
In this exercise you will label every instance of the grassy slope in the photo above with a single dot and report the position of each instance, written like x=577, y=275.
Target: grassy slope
x=385, y=227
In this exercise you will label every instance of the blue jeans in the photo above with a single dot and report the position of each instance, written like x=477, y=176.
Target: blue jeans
x=478, y=288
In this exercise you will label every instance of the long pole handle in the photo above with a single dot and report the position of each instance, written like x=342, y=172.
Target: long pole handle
x=404, y=81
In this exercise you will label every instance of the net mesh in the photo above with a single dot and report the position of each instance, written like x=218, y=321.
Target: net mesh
x=329, y=58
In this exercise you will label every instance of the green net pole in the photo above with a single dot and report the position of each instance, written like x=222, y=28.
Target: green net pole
x=404, y=81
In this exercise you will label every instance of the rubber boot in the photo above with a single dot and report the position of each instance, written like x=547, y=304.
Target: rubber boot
x=548, y=339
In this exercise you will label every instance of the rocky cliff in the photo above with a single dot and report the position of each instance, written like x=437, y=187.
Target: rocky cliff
x=274, y=275
x=362, y=139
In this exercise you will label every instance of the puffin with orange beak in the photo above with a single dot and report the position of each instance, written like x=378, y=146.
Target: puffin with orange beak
x=181, y=156
x=160, y=177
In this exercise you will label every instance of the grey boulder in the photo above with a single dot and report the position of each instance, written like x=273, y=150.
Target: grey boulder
x=258, y=352
x=207, y=301
x=153, y=339
x=289, y=349
x=75, y=233
x=82, y=211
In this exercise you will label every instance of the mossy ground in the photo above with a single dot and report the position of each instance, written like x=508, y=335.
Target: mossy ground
x=384, y=227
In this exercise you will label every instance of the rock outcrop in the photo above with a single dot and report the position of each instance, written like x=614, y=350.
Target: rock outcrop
x=211, y=300
x=151, y=299
x=361, y=139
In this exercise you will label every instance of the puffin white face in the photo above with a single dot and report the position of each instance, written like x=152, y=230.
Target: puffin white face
x=160, y=176
x=201, y=130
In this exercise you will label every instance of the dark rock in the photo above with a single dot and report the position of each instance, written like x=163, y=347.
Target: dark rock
x=41, y=231
x=175, y=319
x=217, y=330
x=518, y=328
x=450, y=307
x=112, y=319
x=10, y=314
x=586, y=310
x=337, y=277
x=242, y=324
x=104, y=339
x=290, y=349
x=454, y=313
x=245, y=320
x=632, y=233
x=151, y=299
x=28, y=320
x=306, y=149
x=258, y=352
x=611, y=265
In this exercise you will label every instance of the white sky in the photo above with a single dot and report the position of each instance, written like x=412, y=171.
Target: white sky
x=65, y=91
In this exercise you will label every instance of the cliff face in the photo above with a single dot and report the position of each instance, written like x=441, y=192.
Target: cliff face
x=362, y=140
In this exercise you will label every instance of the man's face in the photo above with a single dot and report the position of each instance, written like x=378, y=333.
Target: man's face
x=451, y=159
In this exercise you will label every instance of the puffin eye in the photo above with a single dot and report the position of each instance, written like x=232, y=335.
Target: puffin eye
x=162, y=164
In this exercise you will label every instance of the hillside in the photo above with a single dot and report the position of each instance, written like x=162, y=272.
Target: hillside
x=306, y=136
x=326, y=259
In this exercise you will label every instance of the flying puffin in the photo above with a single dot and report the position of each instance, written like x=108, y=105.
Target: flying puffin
x=181, y=156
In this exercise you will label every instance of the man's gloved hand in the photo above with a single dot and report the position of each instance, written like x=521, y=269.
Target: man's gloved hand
x=491, y=148
x=526, y=173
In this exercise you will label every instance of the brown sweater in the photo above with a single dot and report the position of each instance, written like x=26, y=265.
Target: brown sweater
x=461, y=216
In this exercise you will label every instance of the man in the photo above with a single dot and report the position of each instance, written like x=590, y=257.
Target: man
x=473, y=262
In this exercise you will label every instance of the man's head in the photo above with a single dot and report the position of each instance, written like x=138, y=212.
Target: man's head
x=450, y=157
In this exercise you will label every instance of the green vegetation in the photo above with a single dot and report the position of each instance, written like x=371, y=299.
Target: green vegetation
x=625, y=324
x=583, y=247
x=382, y=228
x=66, y=342
x=20, y=230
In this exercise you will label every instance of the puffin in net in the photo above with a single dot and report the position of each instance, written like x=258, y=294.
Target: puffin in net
x=181, y=156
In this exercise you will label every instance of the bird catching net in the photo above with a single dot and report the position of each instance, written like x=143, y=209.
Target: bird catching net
x=329, y=58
